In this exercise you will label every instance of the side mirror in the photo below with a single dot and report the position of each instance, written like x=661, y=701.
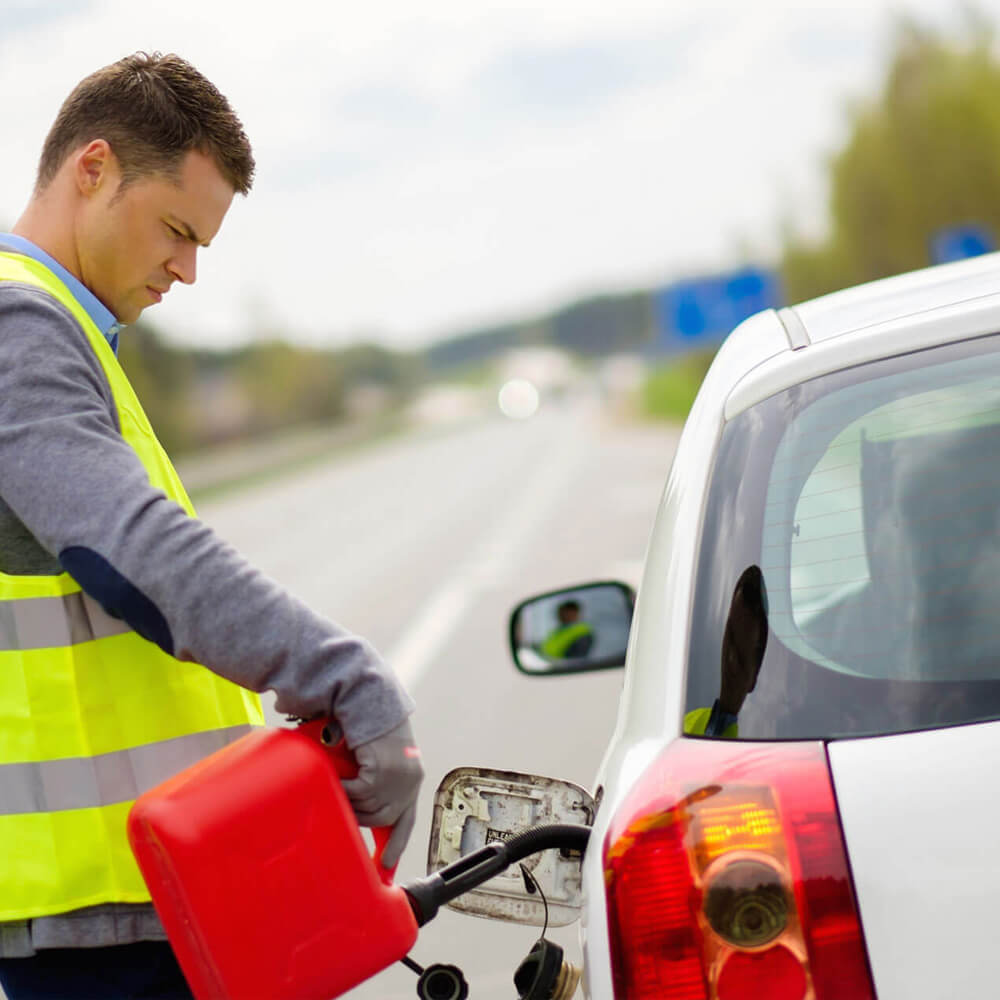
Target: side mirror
x=476, y=806
x=573, y=630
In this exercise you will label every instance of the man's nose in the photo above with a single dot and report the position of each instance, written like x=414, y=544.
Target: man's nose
x=184, y=264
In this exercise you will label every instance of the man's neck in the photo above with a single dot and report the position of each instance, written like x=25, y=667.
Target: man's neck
x=54, y=237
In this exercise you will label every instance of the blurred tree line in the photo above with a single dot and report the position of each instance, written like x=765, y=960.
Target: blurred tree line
x=921, y=155
x=196, y=398
x=593, y=327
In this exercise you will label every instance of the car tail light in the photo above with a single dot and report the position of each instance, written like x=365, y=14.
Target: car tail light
x=727, y=879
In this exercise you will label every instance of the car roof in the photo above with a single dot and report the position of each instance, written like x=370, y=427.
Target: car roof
x=892, y=316
x=902, y=295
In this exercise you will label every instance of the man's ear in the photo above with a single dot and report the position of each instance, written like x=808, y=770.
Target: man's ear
x=95, y=167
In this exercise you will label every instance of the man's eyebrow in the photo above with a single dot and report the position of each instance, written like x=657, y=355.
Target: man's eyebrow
x=188, y=231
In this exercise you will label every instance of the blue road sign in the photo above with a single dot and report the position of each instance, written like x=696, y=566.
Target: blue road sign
x=709, y=308
x=959, y=242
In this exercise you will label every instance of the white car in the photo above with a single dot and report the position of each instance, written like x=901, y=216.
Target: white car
x=800, y=798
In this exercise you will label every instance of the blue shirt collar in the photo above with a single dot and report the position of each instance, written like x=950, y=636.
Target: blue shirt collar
x=102, y=316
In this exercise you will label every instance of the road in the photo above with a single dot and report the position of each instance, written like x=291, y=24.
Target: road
x=424, y=545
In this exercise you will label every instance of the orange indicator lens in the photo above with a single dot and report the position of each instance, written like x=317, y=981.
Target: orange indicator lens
x=739, y=819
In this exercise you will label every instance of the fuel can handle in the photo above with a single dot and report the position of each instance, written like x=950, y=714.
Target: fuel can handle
x=347, y=767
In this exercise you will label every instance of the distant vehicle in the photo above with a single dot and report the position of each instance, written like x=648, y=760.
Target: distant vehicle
x=800, y=797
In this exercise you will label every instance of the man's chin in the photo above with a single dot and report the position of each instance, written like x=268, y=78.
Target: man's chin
x=129, y=314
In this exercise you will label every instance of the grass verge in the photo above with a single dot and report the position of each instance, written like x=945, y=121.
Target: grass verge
x=670, y=388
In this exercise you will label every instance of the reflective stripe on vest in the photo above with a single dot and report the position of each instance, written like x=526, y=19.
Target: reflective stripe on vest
x=91, y=714
x=44, y=622
x=107, y=779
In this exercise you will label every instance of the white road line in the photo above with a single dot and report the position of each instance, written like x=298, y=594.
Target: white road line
x=437, y=619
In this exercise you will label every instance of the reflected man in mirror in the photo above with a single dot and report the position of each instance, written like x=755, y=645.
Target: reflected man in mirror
x=744, y=641
x=572, y=638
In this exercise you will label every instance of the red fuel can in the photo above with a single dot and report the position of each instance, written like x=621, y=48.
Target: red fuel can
x=260, y=874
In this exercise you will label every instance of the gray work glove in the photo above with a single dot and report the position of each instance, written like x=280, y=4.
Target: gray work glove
x=385, y=791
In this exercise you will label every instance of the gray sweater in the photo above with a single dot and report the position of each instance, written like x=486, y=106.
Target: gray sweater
x=71, y=486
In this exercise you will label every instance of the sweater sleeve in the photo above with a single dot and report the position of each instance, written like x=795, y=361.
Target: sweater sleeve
x=81, y=491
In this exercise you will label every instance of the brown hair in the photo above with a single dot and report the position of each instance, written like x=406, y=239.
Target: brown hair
x=152, y=110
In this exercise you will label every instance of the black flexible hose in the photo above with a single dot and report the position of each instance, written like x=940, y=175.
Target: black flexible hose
x=572, y=836
x=428, y=894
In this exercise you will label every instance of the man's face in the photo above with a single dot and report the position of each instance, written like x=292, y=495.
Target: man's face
x=133, y=247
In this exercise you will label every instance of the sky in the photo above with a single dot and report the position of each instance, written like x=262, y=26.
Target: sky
x=426, y=169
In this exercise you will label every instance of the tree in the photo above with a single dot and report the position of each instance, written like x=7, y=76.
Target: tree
x=284, y=385
x=163, y=379
x=922, y=156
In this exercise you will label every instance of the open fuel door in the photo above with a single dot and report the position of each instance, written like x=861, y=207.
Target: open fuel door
x=474, y=807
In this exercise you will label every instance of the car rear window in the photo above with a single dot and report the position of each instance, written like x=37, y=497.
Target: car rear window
x=849, y=577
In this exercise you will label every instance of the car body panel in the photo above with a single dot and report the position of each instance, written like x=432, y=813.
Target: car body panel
x=766, y=354
x=943, y=324
x=919, y=813
x=652, y=697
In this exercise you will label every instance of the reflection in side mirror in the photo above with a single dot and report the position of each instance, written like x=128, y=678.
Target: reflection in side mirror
x=572, y=630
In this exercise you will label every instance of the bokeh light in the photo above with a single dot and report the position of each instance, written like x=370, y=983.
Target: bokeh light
x=518, y=399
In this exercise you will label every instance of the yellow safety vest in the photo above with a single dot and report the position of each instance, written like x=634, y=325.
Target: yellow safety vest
x=91, y=714
x=696, y=722
x=556, y=644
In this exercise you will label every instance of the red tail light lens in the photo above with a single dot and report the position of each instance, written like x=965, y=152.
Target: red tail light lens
x=775, y=973
x=727, y=879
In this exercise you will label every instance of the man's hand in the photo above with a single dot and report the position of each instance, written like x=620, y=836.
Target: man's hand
x=385, y=791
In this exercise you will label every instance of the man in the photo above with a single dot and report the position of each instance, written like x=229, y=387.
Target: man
x=571, y=638
x=111, y=592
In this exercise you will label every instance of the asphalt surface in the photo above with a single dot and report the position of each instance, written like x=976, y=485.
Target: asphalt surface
x=424, y=545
